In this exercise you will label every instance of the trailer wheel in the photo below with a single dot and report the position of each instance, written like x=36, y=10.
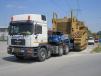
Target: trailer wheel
x=66, y=50
x=19, y=57
x=42, y=54
x=60, y=49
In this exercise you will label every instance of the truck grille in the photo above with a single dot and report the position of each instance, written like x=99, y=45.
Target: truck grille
x=18, y=41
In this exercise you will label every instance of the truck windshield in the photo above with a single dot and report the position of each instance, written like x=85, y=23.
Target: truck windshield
x=22, y=28
x=57, y=33
x=90, y=38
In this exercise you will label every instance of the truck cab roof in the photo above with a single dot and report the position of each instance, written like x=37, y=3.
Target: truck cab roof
x=31, y=17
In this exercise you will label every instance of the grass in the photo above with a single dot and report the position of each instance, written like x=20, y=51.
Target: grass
x=97, y=49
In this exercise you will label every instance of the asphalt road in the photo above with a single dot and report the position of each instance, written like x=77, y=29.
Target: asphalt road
x=74, y=64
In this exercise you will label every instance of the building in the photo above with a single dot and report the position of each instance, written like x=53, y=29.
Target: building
x=3, y=33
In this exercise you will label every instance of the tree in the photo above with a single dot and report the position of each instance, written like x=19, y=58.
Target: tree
x=99, y=34
x=89, y=33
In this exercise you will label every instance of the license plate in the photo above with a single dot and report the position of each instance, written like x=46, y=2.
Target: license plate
x=22, y=51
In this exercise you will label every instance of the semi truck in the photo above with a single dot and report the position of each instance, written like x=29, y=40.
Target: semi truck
x=28, y=37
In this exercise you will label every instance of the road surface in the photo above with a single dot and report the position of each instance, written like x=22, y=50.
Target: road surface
x=74, y=64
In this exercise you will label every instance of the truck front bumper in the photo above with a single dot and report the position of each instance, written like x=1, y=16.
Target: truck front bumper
x=23, y=51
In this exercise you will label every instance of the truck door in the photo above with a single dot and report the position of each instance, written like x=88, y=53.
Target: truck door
x=38, y=33
x=72, y=43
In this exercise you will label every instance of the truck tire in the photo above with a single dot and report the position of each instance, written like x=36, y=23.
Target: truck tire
x=66, y=50
x=42, y=54
x=19, y=57
x=48, y=54
x=60, y=51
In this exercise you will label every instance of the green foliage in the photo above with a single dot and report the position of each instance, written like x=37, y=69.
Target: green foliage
x=99, y=34
x=89, y=33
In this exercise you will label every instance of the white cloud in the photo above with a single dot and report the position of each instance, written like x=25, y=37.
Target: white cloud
x=15, y=6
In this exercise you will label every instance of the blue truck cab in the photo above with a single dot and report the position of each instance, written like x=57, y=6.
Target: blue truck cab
x=69, y=42
x=56, y=38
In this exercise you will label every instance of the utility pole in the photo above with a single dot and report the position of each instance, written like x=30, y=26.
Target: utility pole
x=76, y=14
x=71, y=14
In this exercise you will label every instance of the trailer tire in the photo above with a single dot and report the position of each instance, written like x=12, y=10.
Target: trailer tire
x=66, y=50
x=60, y=51
x=42, y=54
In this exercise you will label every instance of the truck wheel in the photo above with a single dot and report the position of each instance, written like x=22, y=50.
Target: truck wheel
x=60, y=49
x=42, y=54
x=49, y=54
x=19, y=57
x=66, y=50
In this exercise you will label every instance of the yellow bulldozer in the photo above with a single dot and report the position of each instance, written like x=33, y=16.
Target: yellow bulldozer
x=72, y=27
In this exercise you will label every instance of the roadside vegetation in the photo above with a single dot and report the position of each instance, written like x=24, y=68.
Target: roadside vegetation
x=97, y=49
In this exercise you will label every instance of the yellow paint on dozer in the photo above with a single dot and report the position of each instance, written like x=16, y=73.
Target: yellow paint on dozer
x=74, y=28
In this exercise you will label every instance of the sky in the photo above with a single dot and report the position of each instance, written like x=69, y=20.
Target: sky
x=88, y=11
